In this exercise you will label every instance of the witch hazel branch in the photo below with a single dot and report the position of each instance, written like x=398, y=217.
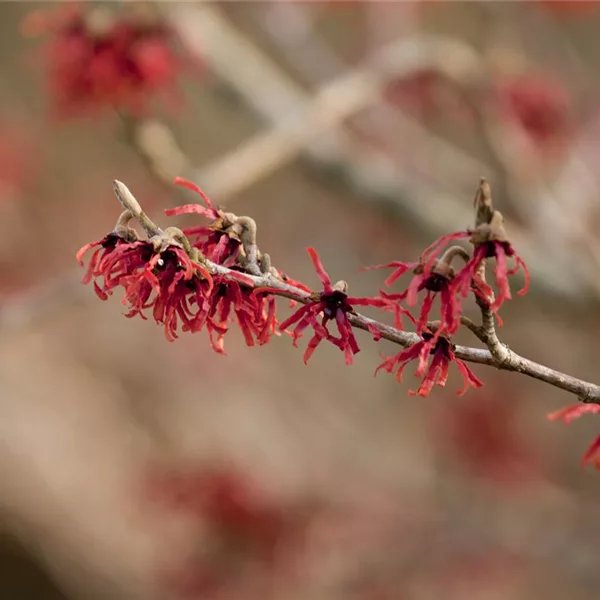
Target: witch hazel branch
x=214, y=276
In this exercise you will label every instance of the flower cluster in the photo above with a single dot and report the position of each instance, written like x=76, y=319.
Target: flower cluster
x=436, y=277
x=205, y=277
x=106, y=57
x=171, y=277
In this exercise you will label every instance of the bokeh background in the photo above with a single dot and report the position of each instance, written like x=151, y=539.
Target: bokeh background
x=360, y=128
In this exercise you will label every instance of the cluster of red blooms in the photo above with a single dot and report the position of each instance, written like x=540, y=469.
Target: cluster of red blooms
x=206, y=277
x=106, y=57
x=435, y=277
x=169, y=275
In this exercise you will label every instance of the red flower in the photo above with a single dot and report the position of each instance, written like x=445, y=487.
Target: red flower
x=164, y=278
x=429, y=93
x=170, y=283
x=570, y=7
x=540, y=105
x=114, y=257
x=483, y=434
x=219, y=242
x=178, y=290
x=499, y=250
x=490, y=241
x=436, y=282
x=248, y=533
x=567, y=414
x=236, y=510
x=254, y=311
x=335, y=305
x=170, y=276
x=434, y=372
x=19, y=160
x=97, y=59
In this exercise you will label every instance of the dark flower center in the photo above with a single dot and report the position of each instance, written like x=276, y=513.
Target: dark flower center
x=436, y=282
x=168, y=258
x=442, y=345
x=111, y=240
x=146, y=251
x=490, y=248
x=335, y=301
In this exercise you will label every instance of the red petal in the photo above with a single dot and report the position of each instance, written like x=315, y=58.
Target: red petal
x=574, y=411
x=295, y=317
x=188, y=209
x=84, y=249
x=323, y=276
x=589, y=456
x=470, y=379
x=192, y=186
x=425, y=310
x=429, y=254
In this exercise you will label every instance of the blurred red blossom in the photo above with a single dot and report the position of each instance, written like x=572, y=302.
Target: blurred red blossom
x=229, y=500
x=569, y=8
x=539, y=104
x=19, y=160
x=102, y=57
x=248, y=533
x=483, y=434
x=428, y=93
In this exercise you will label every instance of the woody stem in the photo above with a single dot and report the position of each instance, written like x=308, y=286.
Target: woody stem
x=452, y=253
x=488, y=326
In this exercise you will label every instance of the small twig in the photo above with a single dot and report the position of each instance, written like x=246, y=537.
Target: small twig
x=489, y=336
x=484, y=214
x=507, y=361
x=476, y=330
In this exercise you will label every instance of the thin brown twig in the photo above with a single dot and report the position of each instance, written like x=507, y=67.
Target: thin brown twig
x=510, y=361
